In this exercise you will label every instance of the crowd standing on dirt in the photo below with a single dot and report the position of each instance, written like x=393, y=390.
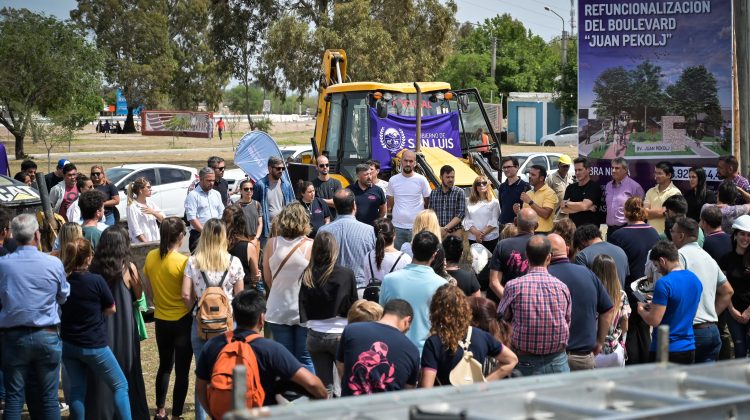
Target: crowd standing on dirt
x=319, y=292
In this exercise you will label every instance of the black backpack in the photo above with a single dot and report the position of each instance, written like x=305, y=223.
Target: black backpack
x=372, y=291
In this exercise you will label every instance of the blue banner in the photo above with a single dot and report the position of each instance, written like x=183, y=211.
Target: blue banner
x=396, y=132
x=253, y=152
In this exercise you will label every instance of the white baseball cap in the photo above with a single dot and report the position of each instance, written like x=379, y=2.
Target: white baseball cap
x=742, y=223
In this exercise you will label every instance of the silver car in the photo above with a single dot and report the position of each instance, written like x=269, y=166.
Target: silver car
x=567, y=136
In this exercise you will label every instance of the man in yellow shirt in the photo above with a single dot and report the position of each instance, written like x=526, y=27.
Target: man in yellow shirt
x=655, y=197
x=543, y=199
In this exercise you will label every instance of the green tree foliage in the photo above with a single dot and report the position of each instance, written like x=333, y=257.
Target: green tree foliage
x=646, y=94
x=695, y=92
x=46, y=67
x=133, y=36
x=525, y=62
x=235, y=100
x=413, y=45
x=198, y=75
x=237, y=36
x=566, y=85
x=467, y=70
x=611, y=90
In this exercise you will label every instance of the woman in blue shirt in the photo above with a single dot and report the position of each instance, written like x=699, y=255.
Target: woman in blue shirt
x=84, y=332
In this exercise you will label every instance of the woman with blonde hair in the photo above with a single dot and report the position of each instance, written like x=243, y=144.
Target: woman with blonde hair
x=450, y=317
x=425, y=220
x=143, y=213
x=327, y=293
x=613, y=351
x=285, y=257
x=210, y=265
x=482, y=214
x=108, y=189
x=69, y=232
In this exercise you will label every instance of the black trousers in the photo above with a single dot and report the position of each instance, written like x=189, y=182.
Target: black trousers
x=173, y=344
x=679, y=357
x=193, y=240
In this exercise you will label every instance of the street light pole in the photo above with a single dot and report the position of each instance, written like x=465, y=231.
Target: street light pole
x=564, y=42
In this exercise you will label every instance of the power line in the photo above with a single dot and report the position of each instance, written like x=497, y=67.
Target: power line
x=498, y=12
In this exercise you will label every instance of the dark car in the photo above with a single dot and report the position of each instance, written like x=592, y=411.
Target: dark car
x=18, y=197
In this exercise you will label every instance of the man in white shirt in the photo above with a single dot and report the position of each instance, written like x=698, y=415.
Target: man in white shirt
x=408, y=194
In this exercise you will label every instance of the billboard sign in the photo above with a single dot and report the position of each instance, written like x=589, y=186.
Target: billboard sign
x=163, y=123
x=654, y=84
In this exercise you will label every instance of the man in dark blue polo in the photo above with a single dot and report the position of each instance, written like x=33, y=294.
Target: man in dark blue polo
x=591, y=313
x=369, y=197
x=510, y=190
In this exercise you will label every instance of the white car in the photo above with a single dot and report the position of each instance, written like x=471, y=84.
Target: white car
x=301, y=153
x=526, y=160
x=567, y=136
x=169, y=185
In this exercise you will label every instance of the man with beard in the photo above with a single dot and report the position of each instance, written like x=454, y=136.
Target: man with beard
x=325, y=186
x=369, y=197
x=407, y=194
x=449, y=203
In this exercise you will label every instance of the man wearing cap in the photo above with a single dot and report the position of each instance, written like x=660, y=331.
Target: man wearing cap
x=54, y=178
x=560, y=179
x=62, y=195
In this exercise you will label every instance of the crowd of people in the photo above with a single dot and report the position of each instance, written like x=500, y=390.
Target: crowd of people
x=335, y=298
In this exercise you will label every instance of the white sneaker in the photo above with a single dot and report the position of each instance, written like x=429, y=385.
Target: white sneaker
x=64, y=407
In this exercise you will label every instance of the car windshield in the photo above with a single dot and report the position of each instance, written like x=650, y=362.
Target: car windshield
x=7, y=182
x=521, y=160
x=285, y=154
x=115, y=175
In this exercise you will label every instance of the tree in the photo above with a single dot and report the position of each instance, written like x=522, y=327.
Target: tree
x=133, y=36
x=237, y=36
x=466, y=70
x=612, y=92
x=51, y=135
x=412, y=46
x=47, y=68
x=647, y=95
x=566, y=86
x=177, y=125
x=695, y=92
x=198, y=74
x=525, y=62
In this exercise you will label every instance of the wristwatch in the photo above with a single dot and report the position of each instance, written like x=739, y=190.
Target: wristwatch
x=531, y=203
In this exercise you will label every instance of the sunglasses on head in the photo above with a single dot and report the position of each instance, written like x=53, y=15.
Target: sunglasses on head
x=478, y=183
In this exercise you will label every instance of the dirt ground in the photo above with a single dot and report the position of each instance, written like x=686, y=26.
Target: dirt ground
x=117, y=149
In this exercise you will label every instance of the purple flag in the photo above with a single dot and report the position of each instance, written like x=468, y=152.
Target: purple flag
x=392, y=134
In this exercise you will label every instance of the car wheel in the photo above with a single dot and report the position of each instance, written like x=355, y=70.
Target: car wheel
x=549, y=143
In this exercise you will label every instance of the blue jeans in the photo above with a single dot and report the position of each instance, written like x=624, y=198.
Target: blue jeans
x=31, y=352
x=402, y=236
x=109, y=219
x=102, y=362
x=707, y=344
x=530, y=365
x=294, y=338
x=197, y=344
x=739, y=337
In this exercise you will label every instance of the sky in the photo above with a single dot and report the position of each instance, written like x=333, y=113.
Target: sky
x=530, y=12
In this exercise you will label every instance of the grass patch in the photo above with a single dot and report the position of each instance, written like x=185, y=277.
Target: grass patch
x=642, y=137
x=598, y=151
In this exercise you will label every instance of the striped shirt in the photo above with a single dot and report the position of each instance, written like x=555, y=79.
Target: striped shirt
x=539, y=307
x=448, y=205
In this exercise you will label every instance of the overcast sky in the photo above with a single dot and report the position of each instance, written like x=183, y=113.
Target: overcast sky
x=530, y=12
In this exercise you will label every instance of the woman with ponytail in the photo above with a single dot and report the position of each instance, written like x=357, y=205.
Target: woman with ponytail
x=327, y=293
x=164, y=271
x=385, y=258
x=84, y=332
x=143, y=213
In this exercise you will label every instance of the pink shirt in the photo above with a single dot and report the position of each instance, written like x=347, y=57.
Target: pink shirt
x=616, y=196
